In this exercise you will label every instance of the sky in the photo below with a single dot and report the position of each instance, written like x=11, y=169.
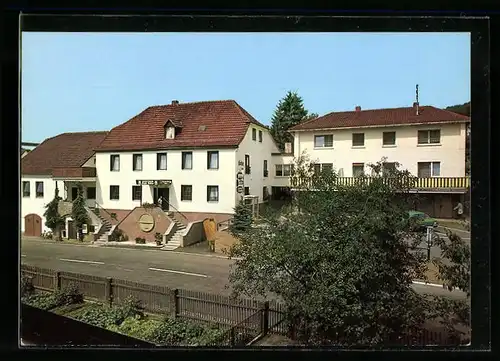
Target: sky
x=74, y=82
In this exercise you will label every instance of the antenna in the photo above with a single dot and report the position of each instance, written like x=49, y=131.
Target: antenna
x=416, y=91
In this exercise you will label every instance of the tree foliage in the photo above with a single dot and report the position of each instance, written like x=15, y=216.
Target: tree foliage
x=454, y=267
x=79, y=213
x=242, y=219
x=341, y=258
x=290, y=111
x=54, y=220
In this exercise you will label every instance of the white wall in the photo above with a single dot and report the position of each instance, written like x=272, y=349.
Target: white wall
x=199, y=177
x=35, y=205
x=451, y=151
x=91, y=162
x=258, y=153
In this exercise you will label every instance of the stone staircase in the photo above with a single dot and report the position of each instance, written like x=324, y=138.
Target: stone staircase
x=102, y=234
x=175, y=241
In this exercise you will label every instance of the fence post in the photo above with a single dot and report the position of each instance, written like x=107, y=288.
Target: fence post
x=108, y=292
x=264, y=318
x=57, y=280
x=174, y=301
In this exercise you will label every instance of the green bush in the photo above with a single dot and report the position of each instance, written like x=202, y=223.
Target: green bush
x=140, y=240
x=68, y=295
x=118, y=236
x=142, y=329
x=27, y=288
x=103, y=316
x=41, y=301
x=176, y=332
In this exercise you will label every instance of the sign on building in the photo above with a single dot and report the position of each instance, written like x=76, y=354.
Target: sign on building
x=154, y=182
x=240, y=182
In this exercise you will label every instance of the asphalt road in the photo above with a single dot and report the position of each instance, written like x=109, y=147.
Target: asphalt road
x=205, y=273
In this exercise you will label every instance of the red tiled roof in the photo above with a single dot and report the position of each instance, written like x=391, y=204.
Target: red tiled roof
x=225, y=124
x=381, y=117
x=63, y=150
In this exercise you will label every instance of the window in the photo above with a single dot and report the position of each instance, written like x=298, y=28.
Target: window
x=186, y=193
x=169, y=132
x=161, y=161
x=322, y=167
x=247, y=164
x=358, y=139
x=323, y=141
x=136, y=193
x=247, y=191
x=429, y=169
x=254, y=134
x=114, y=192
x=91, y=228
x=213, y=160
x=212, y=193
x=358, y=169
x=39, y=189
x=283, y=170
x=115, y=163
x=90, y=192
x=266, y=172
x=187, y=160
x=260, y=136
x=74, y=193
x=137, y=162
x=429, y=136
x=265, y=193
x=389, y=138
x=26, y=189
x=388, y=168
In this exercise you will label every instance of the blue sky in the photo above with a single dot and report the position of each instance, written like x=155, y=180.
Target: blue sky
x=95, y=81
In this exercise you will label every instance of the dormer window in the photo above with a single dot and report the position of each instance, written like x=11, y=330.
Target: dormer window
x=169, y=132
x=172, y=128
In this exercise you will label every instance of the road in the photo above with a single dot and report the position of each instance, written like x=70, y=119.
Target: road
x=205, y=273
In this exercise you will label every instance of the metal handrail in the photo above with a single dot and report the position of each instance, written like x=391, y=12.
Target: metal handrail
x=101, y=207
x=177, y=211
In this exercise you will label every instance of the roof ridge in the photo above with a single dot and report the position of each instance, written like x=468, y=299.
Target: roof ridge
x=196, y=102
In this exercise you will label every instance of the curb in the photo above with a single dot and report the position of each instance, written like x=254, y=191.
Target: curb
x=427, y=284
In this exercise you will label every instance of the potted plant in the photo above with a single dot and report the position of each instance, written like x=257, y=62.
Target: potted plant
x=158, y=238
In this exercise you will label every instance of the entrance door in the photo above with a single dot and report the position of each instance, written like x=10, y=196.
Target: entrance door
x=165, y=194
x=33, y=225
x=74, y=193
x=71, y=230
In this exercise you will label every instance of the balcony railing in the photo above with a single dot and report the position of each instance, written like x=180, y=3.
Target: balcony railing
x=410, y=183
x=74, y=172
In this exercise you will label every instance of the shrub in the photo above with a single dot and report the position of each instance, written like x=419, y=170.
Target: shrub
x=176, y=332
x=68, y=295
x=27, y=288
x=143, y=329
x=140, y=240
x=41, y=301
x=118, y=236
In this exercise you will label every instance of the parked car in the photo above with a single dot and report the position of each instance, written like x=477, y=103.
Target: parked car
x=422, y=220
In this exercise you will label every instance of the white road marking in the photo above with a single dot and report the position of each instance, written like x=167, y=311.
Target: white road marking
x=23, y=255
x=179, y=272
x=444, y=235
x=427, y=284
x=79, y=261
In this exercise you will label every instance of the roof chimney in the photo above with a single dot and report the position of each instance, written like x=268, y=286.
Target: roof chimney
x=358, y=108
x=175, y=102
x=415, y=107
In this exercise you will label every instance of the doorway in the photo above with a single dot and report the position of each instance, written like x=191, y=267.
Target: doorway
x=71, y=230
x=165, y=194
x=33, y=225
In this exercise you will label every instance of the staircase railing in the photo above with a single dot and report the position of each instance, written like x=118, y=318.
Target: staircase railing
x=177, y=211
x=99, y=208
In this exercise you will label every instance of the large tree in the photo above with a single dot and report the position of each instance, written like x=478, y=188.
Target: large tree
x=54, y=220
x=341, y=258
x=79, y=213
x=290, y=111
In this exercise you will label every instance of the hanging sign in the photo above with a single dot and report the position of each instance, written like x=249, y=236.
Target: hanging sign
x=155, y=182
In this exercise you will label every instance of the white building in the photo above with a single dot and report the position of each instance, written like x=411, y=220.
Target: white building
x=427, y=141
x=189, y=154
x=59, y=161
